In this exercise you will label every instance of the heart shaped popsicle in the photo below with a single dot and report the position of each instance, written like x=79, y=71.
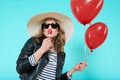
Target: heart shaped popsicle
x=49, y=32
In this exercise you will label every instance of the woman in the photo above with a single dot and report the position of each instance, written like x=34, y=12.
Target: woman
x=43, y=56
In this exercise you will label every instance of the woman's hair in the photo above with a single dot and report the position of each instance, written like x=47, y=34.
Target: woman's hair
x=59, y=41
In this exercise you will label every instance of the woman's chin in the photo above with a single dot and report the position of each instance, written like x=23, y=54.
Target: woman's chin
x=50, y=36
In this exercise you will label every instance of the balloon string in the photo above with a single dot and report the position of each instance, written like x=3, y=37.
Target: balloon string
x=85, y=53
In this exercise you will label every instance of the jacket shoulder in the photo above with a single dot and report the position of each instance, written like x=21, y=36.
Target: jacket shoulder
x=31, y=39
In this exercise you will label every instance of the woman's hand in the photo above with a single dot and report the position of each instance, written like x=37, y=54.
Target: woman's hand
x=46, y=44
x=78, y=67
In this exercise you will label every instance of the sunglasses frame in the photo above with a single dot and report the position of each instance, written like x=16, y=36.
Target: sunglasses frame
x=53, y=25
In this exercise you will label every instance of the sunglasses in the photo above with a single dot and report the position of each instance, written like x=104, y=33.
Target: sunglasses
x=53, y=25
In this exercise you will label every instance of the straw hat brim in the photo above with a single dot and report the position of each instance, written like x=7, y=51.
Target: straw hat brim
x=34, y=23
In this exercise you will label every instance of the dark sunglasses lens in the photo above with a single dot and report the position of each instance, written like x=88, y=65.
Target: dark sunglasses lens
x=45, y=26
x=54, y=26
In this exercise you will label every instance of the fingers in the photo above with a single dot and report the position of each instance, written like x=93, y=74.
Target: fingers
x=47, y=43
x=47, y=40
x=81, y=62
x=85, y=63
x=82, y=65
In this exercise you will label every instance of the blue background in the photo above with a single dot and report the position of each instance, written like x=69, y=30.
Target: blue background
x=104, y=62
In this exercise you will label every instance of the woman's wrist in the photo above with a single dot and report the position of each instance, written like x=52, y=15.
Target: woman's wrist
x=39, y=53
x=71, y=72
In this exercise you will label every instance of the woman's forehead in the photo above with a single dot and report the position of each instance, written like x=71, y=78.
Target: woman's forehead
x=50, y=20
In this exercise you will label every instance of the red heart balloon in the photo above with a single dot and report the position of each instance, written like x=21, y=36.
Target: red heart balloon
x=86, y=10
x=95, y=35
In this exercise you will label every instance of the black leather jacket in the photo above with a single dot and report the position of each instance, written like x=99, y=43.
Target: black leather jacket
x=28, y=72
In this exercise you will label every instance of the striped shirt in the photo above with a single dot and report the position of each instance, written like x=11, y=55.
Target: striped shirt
x=49, y=71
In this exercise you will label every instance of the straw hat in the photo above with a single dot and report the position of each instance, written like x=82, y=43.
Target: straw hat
x=66, y=23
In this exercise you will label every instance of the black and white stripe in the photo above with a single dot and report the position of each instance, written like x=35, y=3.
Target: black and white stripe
x=49, y=71
x=32, y=60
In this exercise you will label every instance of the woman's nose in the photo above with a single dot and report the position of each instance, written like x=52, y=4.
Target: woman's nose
x=50, y=27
